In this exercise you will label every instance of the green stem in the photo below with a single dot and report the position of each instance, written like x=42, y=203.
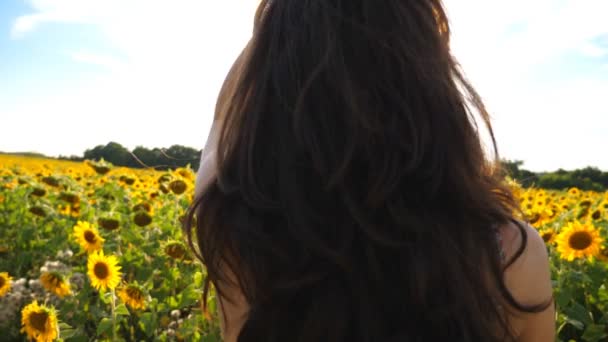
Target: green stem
x=177, y=213
x=113, y=316
x=119, y=243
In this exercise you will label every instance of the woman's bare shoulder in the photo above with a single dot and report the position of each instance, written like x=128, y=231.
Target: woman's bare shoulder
x=528, y=278
x=531, y=264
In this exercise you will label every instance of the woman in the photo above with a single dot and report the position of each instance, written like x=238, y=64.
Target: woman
x=344, y=193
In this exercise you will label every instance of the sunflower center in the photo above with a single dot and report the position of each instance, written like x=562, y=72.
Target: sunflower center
x=534, y=218
x=134, y=294
x=580, y=240
x=55, y=279
x=101, y=270
x=90, y=236
x=596, y=215
x=547, y=236
x=38, y=320
x=2, y=282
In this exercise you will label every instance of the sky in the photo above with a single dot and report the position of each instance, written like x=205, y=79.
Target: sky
x=79, y=73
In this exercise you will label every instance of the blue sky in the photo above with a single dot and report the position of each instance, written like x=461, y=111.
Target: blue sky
x=78, y=73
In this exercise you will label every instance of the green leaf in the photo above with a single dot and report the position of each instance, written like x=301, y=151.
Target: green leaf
x=594, y=333
x=579, y=313
x=147, y=322
x=121, y=310
x=161, y=307
x=189, y=296
x=77, y=338
x=175, y=274
x=577, y=324
x=66, y=331
x=105, y=296
x=563, y=297
x=198, y=279
x=63, y=326
x=104, y=325
x=602, y=294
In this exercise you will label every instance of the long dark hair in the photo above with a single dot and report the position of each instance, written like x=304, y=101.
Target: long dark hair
x=354, y=200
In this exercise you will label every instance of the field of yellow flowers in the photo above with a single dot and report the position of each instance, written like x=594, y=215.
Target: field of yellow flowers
x=93, y=252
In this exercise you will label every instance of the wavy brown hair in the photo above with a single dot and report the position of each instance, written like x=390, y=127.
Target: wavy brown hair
x=354, y=200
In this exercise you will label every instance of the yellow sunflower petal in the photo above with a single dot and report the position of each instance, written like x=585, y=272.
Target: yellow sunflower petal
x=548, y=235
x=579, y=240
x=39, y=322
x=55, y=283
x=5, y=283
x=103, y=271
x=133, y=296
x=88, y=237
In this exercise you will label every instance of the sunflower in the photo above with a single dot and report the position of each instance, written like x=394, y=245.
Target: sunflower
x=175, y=249
x=69, y=197
x=37, y=191
x=108, y=223
x=603, y=256
x=50, y=180
x=133, y=296
x=540, y=216
x=585, y=203
x=5, y=283
x=574, y=192
x=38, y=211
x=142, y=218
x=178, y=186
x=578, y=240
x=39, y=322
x=596, y=214
x=88, y=237
x=548, y=235
x=184, y=172
x=103, y=271
x=144, y=206
x=55, y=283
x=100, y=167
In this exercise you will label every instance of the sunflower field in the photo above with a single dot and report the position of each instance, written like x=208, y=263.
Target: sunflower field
x=89, y=251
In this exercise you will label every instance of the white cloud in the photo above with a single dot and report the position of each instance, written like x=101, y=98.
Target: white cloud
x=501, y=44
x=107, y=61
x=507, y=39
x=66, y=11
x=159, y=83
x=172, y=56
x=593, y=50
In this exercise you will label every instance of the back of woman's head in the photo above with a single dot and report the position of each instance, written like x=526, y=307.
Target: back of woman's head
x=354, y=200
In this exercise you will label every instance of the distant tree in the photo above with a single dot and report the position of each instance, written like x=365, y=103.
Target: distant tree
x=71, y=158
x=178, y=156
x=592, y=173
x=95, y=153
x=117, y=154
x=27, y=154
x=113, y=152
x=588, y=178
x=149, y=158
x=555, y=181
x=512, y=168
